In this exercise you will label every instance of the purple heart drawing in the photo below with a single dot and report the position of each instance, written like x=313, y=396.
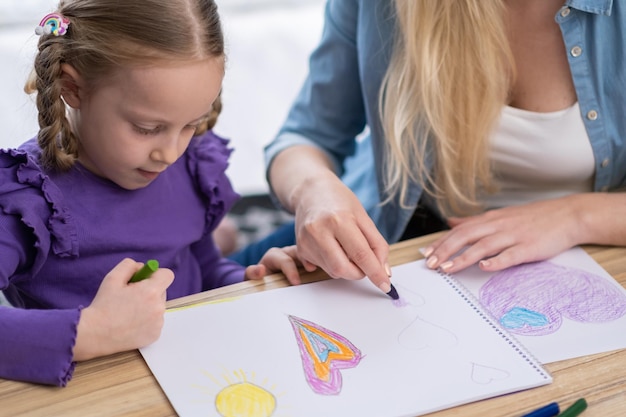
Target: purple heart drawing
x=533, y=299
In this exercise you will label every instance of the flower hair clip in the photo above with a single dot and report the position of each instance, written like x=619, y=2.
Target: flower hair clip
x=53, y=24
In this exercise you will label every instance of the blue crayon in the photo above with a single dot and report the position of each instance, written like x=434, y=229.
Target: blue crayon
x=549, y=410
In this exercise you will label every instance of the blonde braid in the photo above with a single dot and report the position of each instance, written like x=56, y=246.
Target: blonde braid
x=104, y=36
x=211, y=120
x=55, y=137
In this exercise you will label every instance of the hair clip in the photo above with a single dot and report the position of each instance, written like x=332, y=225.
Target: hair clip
x=52, y=24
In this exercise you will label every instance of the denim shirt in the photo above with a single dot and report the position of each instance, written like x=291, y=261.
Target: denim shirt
x=341, y=93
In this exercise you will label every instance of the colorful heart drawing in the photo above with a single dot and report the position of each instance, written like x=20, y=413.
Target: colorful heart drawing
x=323, y=353
x=533, y=299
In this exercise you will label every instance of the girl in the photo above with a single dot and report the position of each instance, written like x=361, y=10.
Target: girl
x=123, y=169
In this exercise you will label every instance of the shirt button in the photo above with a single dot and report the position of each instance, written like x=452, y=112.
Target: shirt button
x=565, y=11
x=592, y=115
x=576, y=51
x=605, y=163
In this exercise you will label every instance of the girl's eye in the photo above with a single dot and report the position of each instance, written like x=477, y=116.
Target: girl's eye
x=144, y=131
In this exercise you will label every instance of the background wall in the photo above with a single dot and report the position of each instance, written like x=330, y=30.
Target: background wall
x=268, y=43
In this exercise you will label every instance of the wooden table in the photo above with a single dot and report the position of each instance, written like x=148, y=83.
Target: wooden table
x=122, y=384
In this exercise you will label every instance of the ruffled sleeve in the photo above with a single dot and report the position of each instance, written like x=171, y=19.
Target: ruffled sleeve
x=36, y=345
x=29, y=194
x=207, y=162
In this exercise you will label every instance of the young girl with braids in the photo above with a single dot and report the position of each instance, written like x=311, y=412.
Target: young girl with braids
x=503, y=120
x=124, y=169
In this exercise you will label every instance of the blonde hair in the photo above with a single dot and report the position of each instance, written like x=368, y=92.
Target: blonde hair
x=105, y=35
x=448, y=78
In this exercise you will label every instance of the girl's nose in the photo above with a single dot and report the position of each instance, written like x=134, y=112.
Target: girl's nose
x=167, y=152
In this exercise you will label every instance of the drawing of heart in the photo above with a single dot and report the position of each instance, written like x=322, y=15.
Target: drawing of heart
x=421, y=334
x=534, y=298
x=485, y=374
x=324, y=355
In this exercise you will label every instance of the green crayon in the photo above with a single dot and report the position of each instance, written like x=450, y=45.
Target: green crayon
x=574, y=409
x=145, y=272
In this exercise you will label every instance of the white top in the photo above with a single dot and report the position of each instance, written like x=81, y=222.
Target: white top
x=537, y=156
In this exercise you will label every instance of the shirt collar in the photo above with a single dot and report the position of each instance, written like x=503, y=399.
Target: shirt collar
x=592, y=6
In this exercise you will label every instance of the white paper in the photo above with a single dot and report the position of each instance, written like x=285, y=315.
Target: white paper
x=568, y=306
x=430, y=350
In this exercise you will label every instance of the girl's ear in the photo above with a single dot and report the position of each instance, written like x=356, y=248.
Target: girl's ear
x=72, y=86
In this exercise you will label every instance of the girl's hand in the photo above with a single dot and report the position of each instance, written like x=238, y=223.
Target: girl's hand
x=501, y=238
x=123, y=315
x=283, y=260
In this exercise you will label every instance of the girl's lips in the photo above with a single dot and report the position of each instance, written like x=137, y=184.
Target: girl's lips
x=150, y=175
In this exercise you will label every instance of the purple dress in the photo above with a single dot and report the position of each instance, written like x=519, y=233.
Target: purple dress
x=61, y=233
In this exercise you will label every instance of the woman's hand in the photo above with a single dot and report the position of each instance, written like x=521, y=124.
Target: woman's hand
x=334, y=232
x=501, y=238
x=123, y=315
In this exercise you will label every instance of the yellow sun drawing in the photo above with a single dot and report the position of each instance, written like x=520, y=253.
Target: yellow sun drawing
x=241, y=397
x=245, y=399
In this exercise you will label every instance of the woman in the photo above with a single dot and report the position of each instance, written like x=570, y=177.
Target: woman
x=505, y=119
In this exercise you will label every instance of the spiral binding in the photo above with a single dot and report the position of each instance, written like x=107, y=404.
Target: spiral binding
x=475, y=304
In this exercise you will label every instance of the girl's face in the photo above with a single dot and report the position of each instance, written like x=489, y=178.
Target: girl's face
x=141, y=120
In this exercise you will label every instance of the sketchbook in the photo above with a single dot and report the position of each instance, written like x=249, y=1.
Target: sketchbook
x=339, y=348
x=561, y=308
